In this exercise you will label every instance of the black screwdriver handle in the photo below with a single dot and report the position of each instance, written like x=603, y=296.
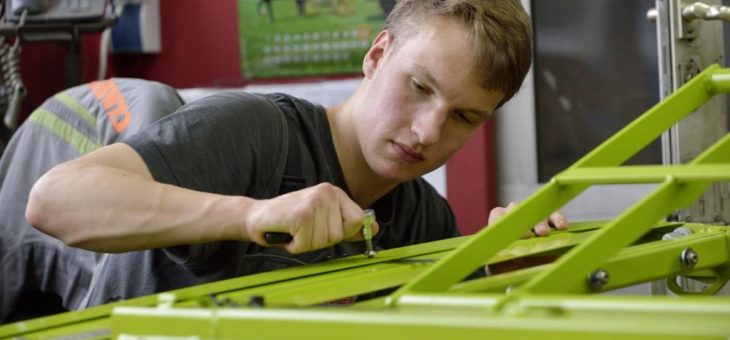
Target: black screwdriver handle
x=277, y=238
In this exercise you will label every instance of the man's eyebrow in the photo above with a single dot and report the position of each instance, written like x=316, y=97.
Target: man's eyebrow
x=423, y=72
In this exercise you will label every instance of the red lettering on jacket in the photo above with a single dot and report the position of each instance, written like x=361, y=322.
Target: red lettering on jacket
x=113, y=103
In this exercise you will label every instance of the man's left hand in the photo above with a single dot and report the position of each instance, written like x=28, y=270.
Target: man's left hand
x=556, y=220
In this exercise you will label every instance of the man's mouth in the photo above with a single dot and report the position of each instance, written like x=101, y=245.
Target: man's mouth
x=406, y=153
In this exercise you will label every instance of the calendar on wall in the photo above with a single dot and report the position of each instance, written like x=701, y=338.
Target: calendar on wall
x=291, y=38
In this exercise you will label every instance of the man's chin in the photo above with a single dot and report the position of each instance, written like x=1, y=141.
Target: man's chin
x=399, y=174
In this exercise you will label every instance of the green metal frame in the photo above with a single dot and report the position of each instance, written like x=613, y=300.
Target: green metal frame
x=677, y=189
x=433, y=299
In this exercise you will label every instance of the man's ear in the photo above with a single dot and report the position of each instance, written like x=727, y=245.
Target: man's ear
x=377, y=51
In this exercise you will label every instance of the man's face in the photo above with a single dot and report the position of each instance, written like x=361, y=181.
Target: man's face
x=423, y=100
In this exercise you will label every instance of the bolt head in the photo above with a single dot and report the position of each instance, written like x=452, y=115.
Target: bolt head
x=598, y=279
x=689, y=259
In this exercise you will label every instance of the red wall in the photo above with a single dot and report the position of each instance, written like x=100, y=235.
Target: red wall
x=200, y=48
x=471, y=181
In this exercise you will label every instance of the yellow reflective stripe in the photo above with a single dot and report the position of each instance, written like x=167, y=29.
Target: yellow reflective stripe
x=64, y=130
x=76, y=107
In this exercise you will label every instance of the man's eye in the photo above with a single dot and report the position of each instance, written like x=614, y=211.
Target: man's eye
x=464, y=117
x=420, y=88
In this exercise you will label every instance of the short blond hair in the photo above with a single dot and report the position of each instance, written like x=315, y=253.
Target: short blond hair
x=501, y=32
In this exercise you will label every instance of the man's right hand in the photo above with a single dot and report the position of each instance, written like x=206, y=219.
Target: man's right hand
x=316, y=217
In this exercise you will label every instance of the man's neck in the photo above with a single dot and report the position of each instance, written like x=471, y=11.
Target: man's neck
x=365, y=186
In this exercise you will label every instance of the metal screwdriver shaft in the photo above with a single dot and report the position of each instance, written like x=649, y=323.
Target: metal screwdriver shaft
x=367, y=232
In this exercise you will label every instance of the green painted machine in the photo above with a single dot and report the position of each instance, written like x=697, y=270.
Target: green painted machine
x=420, y=291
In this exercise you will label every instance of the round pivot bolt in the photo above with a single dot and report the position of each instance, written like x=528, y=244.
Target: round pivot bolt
x=598, y=279
x=689, y=259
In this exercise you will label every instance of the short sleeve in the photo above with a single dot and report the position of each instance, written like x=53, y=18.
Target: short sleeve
x=230, y=143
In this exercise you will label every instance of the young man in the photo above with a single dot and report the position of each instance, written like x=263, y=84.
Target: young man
x=189, y=200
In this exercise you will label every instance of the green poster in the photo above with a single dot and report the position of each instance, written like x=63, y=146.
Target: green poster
x=289, y=38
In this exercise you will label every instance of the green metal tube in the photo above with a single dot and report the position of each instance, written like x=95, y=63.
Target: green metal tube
x=644, y=174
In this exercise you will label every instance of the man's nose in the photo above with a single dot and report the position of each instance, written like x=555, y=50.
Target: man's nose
x=427, y=125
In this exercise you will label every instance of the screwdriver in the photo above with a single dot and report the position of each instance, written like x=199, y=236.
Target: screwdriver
x=367, y=234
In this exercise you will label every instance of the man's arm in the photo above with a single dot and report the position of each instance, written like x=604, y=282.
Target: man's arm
x=108, y=201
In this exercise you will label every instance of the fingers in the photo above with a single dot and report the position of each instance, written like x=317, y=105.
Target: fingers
x=352, y=217
x=541, y=228
x=321, y=236
x=559, y=221
x=316, y=217
x=333, y=215
x=333, y=224
x=556, y=220
x=499, y=211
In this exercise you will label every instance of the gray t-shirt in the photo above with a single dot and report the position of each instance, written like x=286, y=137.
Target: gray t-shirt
x=66, y=126
x=258, y=146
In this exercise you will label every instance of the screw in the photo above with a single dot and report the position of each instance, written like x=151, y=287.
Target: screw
x=598, y=279
x=256, y=301
x=367, y=232
x=688, y=259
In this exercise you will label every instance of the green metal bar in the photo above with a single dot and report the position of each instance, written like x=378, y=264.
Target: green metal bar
x=633, y=265
x=90, y=329
x=94, y=320
x=319, y=289
x=83, y=318
x=102, y=327
x=662, y=260
x=489, y=241
x=716, y=153
x=347, y=283
x=570, y=272
x=650, y=125
x=562, y=305
x=626, y=228
x=502, y=283
x=719, y=81
x=445, y=316
x=360, y=280
x=553, y=195
x=644, y=174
